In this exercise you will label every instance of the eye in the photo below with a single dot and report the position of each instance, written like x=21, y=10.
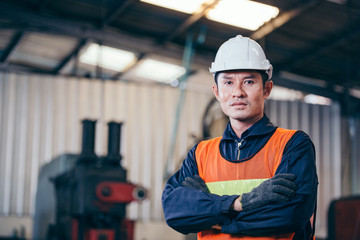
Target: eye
x=248, y=82
x=228, y=82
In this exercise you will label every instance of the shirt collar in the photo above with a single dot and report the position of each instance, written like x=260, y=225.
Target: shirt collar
x=261, y=127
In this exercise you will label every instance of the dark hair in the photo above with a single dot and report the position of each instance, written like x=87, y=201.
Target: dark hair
x=263, y=74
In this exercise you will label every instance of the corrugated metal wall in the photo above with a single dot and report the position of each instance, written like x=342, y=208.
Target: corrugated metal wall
x=40, y=118
x=323, y=125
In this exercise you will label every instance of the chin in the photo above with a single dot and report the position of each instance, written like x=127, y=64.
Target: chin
x=243, y=118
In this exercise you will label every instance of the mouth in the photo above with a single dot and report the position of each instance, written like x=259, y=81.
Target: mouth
x=238, y=103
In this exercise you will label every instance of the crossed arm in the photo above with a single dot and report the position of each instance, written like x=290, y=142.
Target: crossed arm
x=188, y=209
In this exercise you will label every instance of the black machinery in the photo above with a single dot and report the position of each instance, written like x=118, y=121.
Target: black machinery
x=92, y=194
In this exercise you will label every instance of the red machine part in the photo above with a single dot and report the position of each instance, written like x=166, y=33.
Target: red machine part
x=119, y=192
x=129, y=227
x=75, y=229
x=99, y=234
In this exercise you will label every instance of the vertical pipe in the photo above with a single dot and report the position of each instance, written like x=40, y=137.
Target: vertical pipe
x=133, y=109
x=157, y=166
x=88, y=138
x=35, y=140
x=353, y=160
x=336, y=148
x=8, y=138
x=22, y=134
x=187, y=61
x=114, y=141
x=147, y=154
x=47, y=122
x=62, y=96
x=326, y=155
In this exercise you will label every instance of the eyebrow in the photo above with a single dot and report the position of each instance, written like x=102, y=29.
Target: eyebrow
x=250, y=76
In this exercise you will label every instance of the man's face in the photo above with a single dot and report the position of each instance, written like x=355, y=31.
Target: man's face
x=241, y=95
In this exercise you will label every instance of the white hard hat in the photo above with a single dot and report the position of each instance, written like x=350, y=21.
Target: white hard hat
x=240, y=53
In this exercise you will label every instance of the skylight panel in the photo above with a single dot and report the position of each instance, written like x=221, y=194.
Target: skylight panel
x=108, y=57
x=159, y=71
x=242, y=13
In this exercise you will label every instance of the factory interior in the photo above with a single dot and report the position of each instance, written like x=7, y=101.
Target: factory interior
x=117, y=91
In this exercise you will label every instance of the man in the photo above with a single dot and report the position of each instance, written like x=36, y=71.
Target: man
x=257, y=181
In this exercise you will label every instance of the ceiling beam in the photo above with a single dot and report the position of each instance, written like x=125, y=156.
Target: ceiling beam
x=284, y=80
x=283, y=18
x=350, y=104
x=326, y=46
x=201, y=12
x=116, y=13
x=16, y=38
x=72, y=54
x=6, y=67
x=33, y=22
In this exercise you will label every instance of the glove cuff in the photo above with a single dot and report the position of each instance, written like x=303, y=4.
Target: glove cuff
x=245, y=201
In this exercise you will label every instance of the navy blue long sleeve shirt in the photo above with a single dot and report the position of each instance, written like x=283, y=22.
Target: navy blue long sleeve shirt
x=188, y=210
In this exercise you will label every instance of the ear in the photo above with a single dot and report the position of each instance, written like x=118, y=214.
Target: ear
x=267, y=89
x=216, y=91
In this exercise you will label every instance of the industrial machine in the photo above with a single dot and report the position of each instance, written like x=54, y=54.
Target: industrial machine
x=91, y=194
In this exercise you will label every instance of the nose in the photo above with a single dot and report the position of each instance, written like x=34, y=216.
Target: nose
x=238, y=91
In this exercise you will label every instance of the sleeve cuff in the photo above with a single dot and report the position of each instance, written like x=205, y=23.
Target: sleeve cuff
x=224, y=204
x=229, y=229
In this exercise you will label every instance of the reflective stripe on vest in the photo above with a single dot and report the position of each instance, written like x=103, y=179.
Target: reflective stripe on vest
x=235, y=187
x=225, y=177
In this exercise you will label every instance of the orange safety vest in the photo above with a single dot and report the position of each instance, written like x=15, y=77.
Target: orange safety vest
x=214, y=168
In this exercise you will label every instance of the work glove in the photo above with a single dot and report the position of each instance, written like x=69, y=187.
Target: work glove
x=279, y=188
x=197, y=182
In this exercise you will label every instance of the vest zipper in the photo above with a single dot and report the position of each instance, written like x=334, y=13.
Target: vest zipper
x=239, y=145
